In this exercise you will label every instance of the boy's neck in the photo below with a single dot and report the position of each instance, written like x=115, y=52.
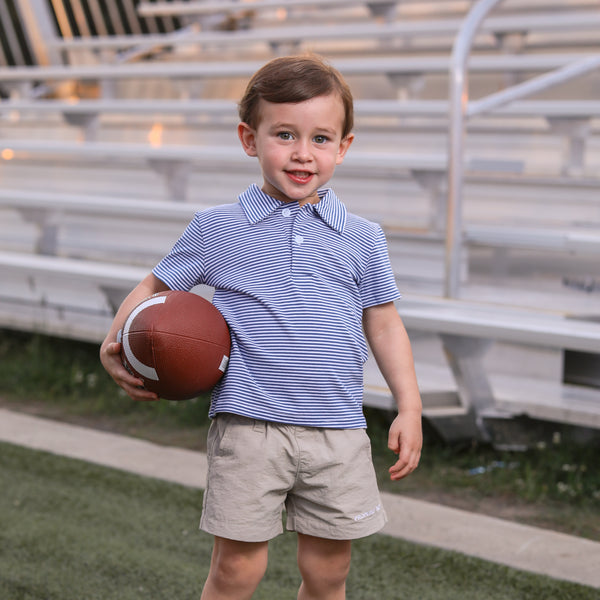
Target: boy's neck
x=313, y=199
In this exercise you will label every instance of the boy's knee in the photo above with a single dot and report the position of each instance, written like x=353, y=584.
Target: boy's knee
x=332, y=575
x=236, y=565
x=326, y=567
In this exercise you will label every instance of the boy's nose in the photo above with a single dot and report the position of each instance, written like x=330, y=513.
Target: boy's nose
x=301, y=152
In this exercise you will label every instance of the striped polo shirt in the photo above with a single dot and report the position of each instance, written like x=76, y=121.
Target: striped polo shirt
x=292, y=283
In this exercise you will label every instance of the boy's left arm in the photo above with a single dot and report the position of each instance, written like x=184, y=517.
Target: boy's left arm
x=391, y=348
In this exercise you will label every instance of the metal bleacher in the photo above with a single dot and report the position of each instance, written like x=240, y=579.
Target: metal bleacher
x=477, y=149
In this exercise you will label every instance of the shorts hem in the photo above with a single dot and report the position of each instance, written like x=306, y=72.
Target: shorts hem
x=350, y=532
x=237, y=535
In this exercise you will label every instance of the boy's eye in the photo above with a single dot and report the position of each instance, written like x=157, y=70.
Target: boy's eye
x=320, y=139
x=285, y=135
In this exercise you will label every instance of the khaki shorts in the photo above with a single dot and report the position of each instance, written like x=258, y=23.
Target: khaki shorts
x=324, y=478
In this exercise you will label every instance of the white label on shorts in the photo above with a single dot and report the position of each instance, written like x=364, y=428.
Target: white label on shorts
x=368, y=513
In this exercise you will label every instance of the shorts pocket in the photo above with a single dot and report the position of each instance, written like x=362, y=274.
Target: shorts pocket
x=217, y=436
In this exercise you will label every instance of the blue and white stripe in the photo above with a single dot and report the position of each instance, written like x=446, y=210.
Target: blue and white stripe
x=292, y=283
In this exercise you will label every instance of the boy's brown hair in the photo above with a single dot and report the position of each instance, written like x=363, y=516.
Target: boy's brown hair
x=295, y=79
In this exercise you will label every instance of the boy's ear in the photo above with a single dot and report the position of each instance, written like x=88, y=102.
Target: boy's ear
x=344, y=145
x=247, y=136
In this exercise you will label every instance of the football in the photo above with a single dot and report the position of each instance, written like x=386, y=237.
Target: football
x=178, y=343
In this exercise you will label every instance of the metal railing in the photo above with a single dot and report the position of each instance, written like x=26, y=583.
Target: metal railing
x=460, y=109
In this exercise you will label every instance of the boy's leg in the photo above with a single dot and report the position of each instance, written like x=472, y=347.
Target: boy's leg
x=324, y=565
x=236, y=569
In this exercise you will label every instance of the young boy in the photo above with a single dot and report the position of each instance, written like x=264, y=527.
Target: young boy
x=298, y=280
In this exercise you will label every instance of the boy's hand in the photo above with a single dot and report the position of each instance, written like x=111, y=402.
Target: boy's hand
x=405, y=439
x=110, y=356
x=110, y=350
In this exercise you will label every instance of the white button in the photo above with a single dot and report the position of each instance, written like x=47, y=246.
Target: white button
x=299, y=239
x=286, y=212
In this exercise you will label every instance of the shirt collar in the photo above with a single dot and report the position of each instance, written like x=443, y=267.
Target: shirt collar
x=257, y=205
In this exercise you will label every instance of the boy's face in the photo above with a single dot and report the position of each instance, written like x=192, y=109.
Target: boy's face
x=298, y=146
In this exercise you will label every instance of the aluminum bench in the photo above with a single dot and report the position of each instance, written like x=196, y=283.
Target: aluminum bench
x=174, y=161
x=459, y=403
x=528, y=63
x=294, y=35
x=570, y=118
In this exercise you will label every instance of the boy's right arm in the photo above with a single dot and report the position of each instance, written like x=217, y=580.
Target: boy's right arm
x=110, y=350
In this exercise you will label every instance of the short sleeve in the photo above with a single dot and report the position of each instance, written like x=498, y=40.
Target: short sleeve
x=184, y=266
x=378, y=283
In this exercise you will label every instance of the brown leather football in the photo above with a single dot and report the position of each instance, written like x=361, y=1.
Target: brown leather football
x=178, y=343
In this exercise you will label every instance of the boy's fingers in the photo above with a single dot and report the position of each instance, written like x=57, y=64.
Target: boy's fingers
x=143, y=395
x=408, y=460
x=393, y=443
x=135, y=388
x=132, y=385
x=113, y=348
x=401, y=469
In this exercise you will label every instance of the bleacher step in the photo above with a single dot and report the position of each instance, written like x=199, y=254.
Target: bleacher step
x=514, y=396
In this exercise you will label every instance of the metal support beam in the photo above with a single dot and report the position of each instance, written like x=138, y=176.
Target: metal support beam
x=176, y=174
x=465, y=358
x=40, y=30
x=576, y=130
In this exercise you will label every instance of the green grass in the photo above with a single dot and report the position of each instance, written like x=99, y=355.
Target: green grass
x=70, y=530
x=555, y=484
x=68, y=374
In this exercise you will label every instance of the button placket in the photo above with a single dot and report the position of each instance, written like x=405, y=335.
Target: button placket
x=298, y=223
x=299, y=241
x=289, y=214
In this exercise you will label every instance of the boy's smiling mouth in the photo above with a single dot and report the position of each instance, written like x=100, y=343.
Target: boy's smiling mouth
x=300, y=176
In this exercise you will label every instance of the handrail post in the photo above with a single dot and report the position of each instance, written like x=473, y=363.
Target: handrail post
x=459, y=96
